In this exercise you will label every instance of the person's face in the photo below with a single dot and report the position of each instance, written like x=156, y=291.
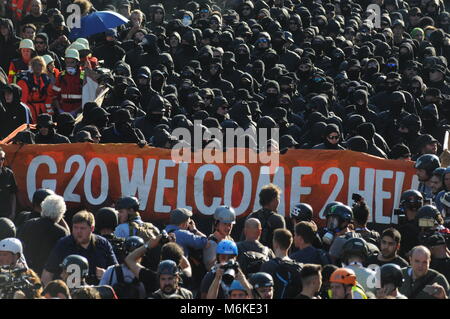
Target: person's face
x=71, y=63
x=213, y=69
x=265, y=292
x=82, y=232
x=419, y=36
x=422, y=175
x=7, y=258
x=337, y=291
x=214, y=24
x=29, y=33
x=293, y=26
x=388, y=247
x=4, y=31
x=430, y=148
x=37, y=68
x=50, y=67
x=436, y=76
x=414, y=18
x=136, y=19
x=96, y=138
x=420, y=264
x=223, y=259
x=204, y=14
x=263, y=43
x=9, y=97
x=159, y=15
x=447, y=181
x=173, y=41
x=168, y=283
x=410, y=72
x=238, y=294
x=436, y=184
x=43, y=131
x=225, y=228
x=398, y=30
x=222, y=110
x=246, y=10
x=123, y=215
x=304, y=68
x=125, y=11
x=26, y=53
x=333, y=138
x=36, y=8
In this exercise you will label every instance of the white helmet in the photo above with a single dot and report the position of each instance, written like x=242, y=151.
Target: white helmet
x=225, y=214
x=48, y=59
x=72, y=53
x=84, y=42
x=26, y=44
x=12, y=245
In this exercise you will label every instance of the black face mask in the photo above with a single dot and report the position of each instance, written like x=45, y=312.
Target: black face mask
x=157, y=84
x=353, y=75
x=371, y=71
x=155, y=117
x=271, y=97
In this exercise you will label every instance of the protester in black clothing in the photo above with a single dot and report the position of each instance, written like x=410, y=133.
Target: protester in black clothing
x=8, y=189
x=13, y=112
x=9, y=43
x=106, y=221
x=47, y=132
x=331, y=137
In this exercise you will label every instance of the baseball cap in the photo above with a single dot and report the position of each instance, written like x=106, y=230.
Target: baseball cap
x=179, y=215
x=12, y=245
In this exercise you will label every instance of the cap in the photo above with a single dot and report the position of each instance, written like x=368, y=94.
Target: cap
x=111, y=33
x=72, y=53
x=179, y=216
x=48, y=59
x=12, y=245
x=26, y=44
x=435, y=240
x=45, y=120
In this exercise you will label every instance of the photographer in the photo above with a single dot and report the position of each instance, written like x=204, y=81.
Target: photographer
x=147, y=276
x=11, y=252
x=169, y=280
x=360, y=218
x=220, y=278
x=410, y=202
x=440, y=255
x=187, y=235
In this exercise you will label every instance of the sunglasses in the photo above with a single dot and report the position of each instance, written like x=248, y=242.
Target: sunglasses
x=204, y=11
x=263, y=40
x=39, y=42
x=333, y=137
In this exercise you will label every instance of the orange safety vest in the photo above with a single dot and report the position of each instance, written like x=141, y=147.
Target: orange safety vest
x=34, y=94
x=20, y=9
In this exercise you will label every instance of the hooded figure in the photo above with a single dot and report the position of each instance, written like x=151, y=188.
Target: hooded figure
x=154, y=117
x=47, y=132
x=8, y=44
x=186, y=51
x=409, y=129
x=242, y=56
x=271, y=94
x=13, y=112
x=367, y=131
x=360, y=99
x=144, y=84
x=230, y=73
x=406, y=53
x=357, y=143
x=122, y=130
x=152, y=51
x=331, y=137
x=313, y=136
x=216, y=81
x=240, y=112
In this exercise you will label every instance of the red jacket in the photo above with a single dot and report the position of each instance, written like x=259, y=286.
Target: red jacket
x=68, y=91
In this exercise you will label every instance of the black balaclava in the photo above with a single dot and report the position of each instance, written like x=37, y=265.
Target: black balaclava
x=361, y=99
x=397, y=103
x=271, y=98
x=319, y=104
x=418, y=88
x=258, y=70
x=367, y=131
x=242, y=55
x=413, y=123
x=430, y=117
x=357, y=143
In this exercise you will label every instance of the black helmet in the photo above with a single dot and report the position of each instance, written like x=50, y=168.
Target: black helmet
x=427, y=212
x=355, y=247
x=302, y=211
x=428, y=162
x=40, y=194
x=327, y=209
x=81, y=261
x=106, y=217
x=7, y=228
x=445, y=200
x=344, y=212
x=261, y=279
x=168, y=267
x=411, y=198
x=128, y=202
x=132, y=243
x=391, y=274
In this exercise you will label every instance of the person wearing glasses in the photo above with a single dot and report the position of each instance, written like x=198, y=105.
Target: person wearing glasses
x=8, y=189
x=331, y=139
x=41, y=46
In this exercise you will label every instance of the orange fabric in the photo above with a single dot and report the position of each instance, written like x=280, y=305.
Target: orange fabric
x=21, y=128
x=35, y=101
x=67, y=84
x=95, y=175
x=20, y=8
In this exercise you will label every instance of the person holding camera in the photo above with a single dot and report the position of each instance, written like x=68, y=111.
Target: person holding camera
x=217, y=283
x=187, y=235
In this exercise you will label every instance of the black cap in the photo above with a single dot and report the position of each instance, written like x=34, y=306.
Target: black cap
x=435, y=240
x=45, y=120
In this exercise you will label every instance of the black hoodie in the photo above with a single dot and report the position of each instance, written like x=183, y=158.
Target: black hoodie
x=8, y=47
x=14, y=114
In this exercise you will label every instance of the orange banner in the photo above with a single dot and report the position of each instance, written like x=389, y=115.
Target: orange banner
x=92, y=176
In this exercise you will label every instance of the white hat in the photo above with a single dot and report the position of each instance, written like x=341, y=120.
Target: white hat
x=48, y=59
x=12, y=245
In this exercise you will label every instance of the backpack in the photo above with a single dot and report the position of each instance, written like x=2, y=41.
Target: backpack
x=145, y=230
x=251, y=261
x=286, y=277
x=124, y=290
x=324, y=257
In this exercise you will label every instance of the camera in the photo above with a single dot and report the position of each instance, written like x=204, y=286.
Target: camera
x=401, y=215
x=12, y=280
x=229, y=273
x=164, y=238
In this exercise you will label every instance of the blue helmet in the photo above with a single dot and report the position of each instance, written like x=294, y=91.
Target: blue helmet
x=236, y=285
x=227, y=247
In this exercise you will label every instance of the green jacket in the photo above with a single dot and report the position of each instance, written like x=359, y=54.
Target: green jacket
x=408, y=285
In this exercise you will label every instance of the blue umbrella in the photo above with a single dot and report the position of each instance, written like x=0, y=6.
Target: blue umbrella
x=97, y=22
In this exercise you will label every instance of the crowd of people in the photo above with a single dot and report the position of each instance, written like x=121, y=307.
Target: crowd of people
x=330, y=75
